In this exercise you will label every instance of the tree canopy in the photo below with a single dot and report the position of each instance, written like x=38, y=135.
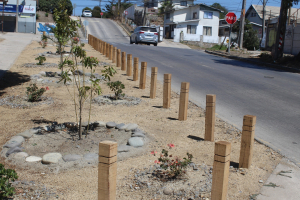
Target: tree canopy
x=110, y=13
x=166, y=6
x=86, y=8
x=50, y=5
x=96, y=11
x=218, y=6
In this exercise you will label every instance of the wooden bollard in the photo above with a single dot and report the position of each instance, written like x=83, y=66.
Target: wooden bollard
x=123, y=66
x=104, y=48
x=135, y=69
x=143, y=75
x=114, y=55
x=129, y=65
x=107, y=170
x=99, y=46
x=167, y=91
x=247, y=141
x=111, y=49
x=107, y=50
x=210, y=118
x=184, y=101
x=220, y=170
x=153, y=82
x=89, y=38
x=119, y=58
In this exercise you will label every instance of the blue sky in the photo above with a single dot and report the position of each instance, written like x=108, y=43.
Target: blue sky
x=232, y=5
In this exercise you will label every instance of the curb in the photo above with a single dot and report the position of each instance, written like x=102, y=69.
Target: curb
x=274, y=66
x=123, y=28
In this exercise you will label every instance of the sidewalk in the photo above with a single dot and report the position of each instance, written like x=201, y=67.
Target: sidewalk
x=11, y=47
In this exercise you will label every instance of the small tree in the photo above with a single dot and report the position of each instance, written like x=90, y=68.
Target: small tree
x=6, y=176
x=65, y=29
x=96, y=11
x=80, y=89
x=218, y=6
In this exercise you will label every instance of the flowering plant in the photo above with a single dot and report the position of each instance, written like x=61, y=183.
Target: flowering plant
x=172, y=166
x=34, y=93
x=43, y=42
x=75, y=40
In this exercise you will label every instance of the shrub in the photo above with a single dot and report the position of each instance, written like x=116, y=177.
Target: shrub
x=46, y=14
x=34, y=93
x=217, y=47
x=173, y=166
x=41, y=60
x=116, y=87
x=37, y=16
x=6, y=176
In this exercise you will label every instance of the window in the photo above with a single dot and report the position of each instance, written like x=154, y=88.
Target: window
x=168, y=16
x=253, y=14
x=183, y=3
x=207, y=30
x=191, y=29
x=195, y=15
x=208, y=15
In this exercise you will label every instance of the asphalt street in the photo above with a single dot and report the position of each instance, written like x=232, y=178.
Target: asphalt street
x=241, y=88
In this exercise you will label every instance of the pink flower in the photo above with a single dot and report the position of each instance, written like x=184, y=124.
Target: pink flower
x=171, y=145
x=47, y=88
x=153, y=152
x=156, y=161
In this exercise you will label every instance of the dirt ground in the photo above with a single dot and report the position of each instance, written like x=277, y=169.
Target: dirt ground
x=161, y=124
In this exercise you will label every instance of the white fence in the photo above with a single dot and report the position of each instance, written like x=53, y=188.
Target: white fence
x=292, y=40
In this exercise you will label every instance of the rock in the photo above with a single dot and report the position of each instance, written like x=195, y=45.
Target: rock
x=14, y=150
x=137, y=130
x=29, y=133
x=122, y=127
x=84, y=124
x=51, y=158
x=111, y=124
x=88, y=74
x=124, y=148
x=50, y=74
x=260, y=181
x=71, y=157
x=119, y=125
x=90, y=156
x=14, y=142
x=99, y=124
x=167, y=191
x=135, y=142
x=138, y=134
x=42, y=73
x=76, y=72
x=131, y=127
x=39, y=79
x=33, y=159
x=20, y=155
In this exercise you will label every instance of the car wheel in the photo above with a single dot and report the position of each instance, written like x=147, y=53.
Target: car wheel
x=148, y=44
x=155, y=44
x=136, y=42
x=130, y=41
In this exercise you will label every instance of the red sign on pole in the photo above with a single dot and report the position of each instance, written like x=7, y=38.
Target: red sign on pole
x=126, y=12
x=101, y=13
x=230, y=18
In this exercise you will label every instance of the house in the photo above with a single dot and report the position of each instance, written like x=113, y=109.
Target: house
x=255, y=15
x=192, y=23
x=176, y=3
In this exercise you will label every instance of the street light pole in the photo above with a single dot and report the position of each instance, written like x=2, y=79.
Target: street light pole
x=242, y=22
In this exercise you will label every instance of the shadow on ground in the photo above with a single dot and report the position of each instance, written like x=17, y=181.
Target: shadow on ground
x=10, y=79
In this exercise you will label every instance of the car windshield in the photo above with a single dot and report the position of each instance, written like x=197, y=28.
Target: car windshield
x=87, y=11
x=148, y=29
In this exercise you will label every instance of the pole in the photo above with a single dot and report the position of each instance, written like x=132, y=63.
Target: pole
x=229, y=39
x=242, y=22
x=264, y=18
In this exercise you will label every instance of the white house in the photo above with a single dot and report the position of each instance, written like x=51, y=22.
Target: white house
x=177, y=3
x=193, y=23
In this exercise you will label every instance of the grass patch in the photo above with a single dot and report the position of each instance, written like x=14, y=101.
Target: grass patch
x=217, y=47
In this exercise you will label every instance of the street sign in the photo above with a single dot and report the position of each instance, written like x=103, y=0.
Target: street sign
x=126, y=12
x=101, y=13
x=230, y=18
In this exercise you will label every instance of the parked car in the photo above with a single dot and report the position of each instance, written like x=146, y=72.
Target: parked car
x=87, y=13
x=144, y=34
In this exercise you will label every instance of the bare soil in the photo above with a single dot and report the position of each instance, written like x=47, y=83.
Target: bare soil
x=159, y=123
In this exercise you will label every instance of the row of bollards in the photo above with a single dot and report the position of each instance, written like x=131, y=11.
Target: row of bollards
x=108, y=150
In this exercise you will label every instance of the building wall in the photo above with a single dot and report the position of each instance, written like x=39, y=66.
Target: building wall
x=292, y=40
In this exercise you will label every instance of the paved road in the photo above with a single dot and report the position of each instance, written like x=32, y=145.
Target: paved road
x=241, y=88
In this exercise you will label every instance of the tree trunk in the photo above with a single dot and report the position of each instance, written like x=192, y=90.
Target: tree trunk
x=80, y=112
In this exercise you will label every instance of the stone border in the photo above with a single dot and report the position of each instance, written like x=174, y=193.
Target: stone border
x=6, y=101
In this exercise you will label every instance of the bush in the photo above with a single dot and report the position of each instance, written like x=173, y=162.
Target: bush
x=116, y=87
x=41, y=60
x=173, y=166
x=6, y=176
x=37, y=16
x=34, y=93
x=46, y=14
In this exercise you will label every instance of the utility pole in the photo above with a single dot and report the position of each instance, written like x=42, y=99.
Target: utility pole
x=264, y=18
x=17, y=17
x=289, y=19
x=74, y=6
x=242, y=22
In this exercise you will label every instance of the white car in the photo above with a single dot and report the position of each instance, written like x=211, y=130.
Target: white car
x=87, y=13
